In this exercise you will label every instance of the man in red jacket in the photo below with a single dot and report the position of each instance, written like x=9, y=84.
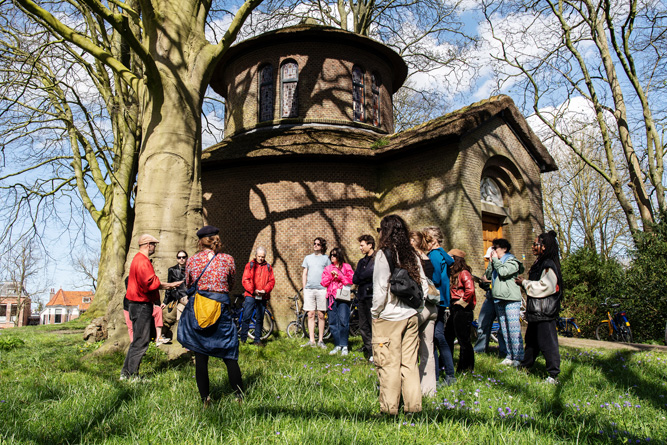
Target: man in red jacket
x=258, y=282
x=142, y=292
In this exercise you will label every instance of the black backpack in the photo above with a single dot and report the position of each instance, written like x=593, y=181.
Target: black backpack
x=402, y=285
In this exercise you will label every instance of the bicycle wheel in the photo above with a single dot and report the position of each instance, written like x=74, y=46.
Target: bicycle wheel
x=602, y=332
x=327, y=332
x=354, y=324
x=294, y=330
x=625, y=334
x=267, y=327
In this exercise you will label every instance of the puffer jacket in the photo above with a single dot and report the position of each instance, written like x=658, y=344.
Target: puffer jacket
x=502, y=273
x=258, y=277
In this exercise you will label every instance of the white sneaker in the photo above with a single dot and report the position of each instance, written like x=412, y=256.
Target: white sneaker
x=310, y=343
x=321, y=345
x=370, y=359
x=162, y=341
x=335, y=350
x=507, y=362
x=515, y=363
x=343, y=350
x=551, y=381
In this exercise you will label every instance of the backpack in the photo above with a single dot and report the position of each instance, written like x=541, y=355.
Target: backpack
x=402, y=285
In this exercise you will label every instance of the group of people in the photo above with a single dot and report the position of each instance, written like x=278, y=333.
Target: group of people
x=411, y=347
x=199, y=288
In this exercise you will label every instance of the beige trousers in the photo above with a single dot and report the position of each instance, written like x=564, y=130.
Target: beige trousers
x=395, y=345
x=427, y=368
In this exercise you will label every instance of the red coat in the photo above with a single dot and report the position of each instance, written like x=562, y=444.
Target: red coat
x=258, y=277
x=465, y=288
x=142, y=284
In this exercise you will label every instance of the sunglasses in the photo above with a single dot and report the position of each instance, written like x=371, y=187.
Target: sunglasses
x=537, y=244
x=317, y=244
x=182, y=257
x=333, y=255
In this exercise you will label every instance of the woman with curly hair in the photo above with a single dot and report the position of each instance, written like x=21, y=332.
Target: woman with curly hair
x=212, y=272
x=395, y=324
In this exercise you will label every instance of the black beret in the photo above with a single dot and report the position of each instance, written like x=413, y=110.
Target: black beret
x=207, y=231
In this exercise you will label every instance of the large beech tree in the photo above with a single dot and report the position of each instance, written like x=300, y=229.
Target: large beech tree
x=158, y=50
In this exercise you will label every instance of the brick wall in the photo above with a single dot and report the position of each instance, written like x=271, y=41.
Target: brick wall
x=283, y=206
x=324, y=87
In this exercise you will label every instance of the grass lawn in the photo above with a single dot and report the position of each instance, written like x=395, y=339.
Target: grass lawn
x=53, y=391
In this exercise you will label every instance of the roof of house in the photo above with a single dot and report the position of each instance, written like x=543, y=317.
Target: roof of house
x=319, y=141
x=71, y=298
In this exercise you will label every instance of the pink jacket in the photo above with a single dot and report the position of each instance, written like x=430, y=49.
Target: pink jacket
x=332, y=284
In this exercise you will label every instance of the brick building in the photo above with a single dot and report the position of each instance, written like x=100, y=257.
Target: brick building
x=310, y=151
x=14, y=305
x=65, y=305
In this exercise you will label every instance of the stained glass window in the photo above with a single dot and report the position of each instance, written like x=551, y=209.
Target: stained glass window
x=266, y=93
x=289, y=97
x=358, y=93
x=375, y=90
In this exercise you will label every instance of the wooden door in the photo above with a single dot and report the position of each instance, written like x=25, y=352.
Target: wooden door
x=491, y=229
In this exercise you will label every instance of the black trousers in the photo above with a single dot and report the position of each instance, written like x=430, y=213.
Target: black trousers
x=141, y=315
x=365, y=324
x=201, y=375
x=458, y=327
x=541, y=336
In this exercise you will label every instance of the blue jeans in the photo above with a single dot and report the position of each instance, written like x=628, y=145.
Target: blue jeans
x=339, y=322
x=484, y=324
x=443, y=355
x=250, y=305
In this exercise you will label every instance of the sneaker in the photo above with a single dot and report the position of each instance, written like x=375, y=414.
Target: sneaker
x=370, y=359
x=123, y=377
x=207, y=402
x=515, y=363
x=551, y=381
x=162, y=341
x=506, y=362
x=310, y=343
x=321, y=345
x=335, y=350
x=343, y=351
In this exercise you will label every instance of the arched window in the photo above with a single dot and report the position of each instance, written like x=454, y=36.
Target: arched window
x=266, y=93
x=289, y=77
x=358, y=93
x=375, y=90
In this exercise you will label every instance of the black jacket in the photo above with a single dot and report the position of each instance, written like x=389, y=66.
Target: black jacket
x=547, y=308
x=175, y=273
x=363, y=277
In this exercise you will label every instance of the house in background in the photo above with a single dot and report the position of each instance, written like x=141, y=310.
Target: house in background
x=14, y=305
x=64, y=306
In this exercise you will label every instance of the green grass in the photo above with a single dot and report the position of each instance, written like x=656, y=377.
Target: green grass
x=54, y=391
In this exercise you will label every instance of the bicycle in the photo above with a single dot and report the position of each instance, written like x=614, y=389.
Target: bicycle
x=567, y=327
x=614, y=328
x=354, y=316
x=298, y=328
x=493, y=336
x=237, y=316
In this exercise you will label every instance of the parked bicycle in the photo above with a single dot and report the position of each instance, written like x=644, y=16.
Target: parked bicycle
x=616, y=327
x=354, y=316
x=567, y=327
x=493, y=337
x=237, y=316
x=299, y=327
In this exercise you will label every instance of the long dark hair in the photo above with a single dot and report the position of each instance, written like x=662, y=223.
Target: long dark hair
x=395, y=236
x=455, y=269
x=551, y=252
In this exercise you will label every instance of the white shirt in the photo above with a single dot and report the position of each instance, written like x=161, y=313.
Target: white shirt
x=544, y=287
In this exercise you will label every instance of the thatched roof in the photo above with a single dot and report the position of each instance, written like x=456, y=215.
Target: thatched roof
x=318, y=141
